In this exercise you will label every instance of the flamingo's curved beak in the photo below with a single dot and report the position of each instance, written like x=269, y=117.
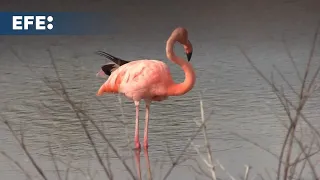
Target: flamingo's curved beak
x=189, y=55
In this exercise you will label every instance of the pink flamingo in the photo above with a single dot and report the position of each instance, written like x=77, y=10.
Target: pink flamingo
x=151, y=80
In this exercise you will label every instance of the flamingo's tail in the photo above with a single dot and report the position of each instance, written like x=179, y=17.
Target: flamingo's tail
x=101, y=90
x=105, y=88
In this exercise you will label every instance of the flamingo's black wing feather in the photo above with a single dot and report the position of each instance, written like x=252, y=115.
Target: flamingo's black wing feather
x=109, y=68
x=114, y=59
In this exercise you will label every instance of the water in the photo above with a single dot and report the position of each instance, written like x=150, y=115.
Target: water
x=242, y=103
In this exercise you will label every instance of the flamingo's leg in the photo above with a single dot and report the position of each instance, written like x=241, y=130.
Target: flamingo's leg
x=137, y=156
x=145, y=141
x=136, y=136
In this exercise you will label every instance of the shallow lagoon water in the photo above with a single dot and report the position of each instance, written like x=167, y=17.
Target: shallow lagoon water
x=236, y=98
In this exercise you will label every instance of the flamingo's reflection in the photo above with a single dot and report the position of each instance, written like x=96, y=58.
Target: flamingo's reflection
x=137, y=157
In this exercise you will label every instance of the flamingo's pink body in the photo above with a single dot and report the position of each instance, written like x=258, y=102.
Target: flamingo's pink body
x=151, y=80
x=141, y=79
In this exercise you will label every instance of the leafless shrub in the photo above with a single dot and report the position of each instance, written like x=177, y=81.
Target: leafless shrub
x=294, y=113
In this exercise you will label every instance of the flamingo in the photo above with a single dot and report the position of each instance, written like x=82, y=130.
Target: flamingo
x=151, y=80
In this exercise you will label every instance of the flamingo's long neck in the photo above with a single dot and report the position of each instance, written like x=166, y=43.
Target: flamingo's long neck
x=189, y=81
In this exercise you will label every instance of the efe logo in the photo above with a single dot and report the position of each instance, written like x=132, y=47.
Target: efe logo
x=39, y=22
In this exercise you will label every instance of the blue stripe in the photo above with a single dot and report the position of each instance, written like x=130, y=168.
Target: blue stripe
x=64, y=23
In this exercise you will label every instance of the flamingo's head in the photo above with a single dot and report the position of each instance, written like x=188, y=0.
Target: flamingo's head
x=188, y=49
x=181, y=35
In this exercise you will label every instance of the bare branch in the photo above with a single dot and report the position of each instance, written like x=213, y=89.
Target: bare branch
x=17, y=164
x=246, y=175
x=174, y=164
x=24, y=148
x=76, y=109
x=65, y=93
x=54, y=160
